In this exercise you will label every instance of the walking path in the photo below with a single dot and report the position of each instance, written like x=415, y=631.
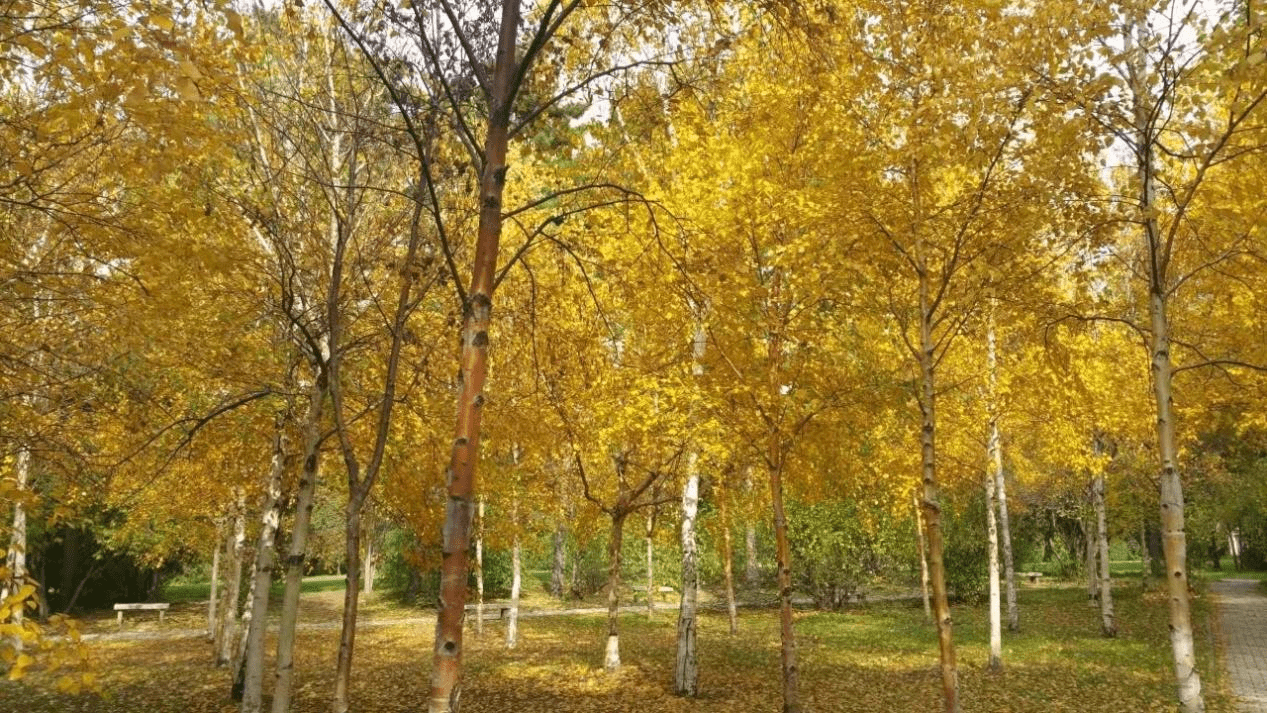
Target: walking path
x=1243, y=615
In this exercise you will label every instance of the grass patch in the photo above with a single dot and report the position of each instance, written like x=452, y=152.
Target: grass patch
x=881, y=657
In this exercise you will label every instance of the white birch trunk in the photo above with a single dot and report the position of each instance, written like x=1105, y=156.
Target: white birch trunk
x=1108, y=623
x=1174, y=540
x=1009, y=569
x=16, y=557
x=212, y=622
x=923, y=560
x=512, y=622
x=253, y=674
x=992, y=542
x=994, y=453
x=233, y=591
x=560, y=563
x=686, y=671
x=304, y=500
x=751, y=574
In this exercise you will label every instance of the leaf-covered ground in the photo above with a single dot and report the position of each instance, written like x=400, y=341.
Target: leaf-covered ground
x=878, y=658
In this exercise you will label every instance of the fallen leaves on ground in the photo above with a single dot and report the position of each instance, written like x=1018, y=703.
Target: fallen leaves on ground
x=878, y=658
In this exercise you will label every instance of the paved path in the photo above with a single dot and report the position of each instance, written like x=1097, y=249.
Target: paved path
x=1243, y=616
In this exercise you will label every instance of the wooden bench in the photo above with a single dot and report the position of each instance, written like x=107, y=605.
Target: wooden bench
x=491, y=611
x=1033, y=576
x=662, y=591
x=161, y=607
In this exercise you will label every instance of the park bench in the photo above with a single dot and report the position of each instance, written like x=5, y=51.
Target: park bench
x=1033, y=576
x=161, y=607
x=664, y=592
x=491, y=611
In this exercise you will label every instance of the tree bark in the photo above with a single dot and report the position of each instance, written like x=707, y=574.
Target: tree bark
x=253, y=664
x=727, y=559
x=238, y=662
x=1000, y=479
x=446, y=670
x=479, y=568
x=213, y=623
x=932, y=503
x=1108, y=624
x=512, y=623
x=367, y=565
x=351, y=595
x=1146, y=557
x=992, y=543
x=1092, y=572
x=650, y=564
x=686, y=671
x=923, y=560
x=1009, y=569
x=751, y=572
x=304, y=500
x=234, y=589
x=560, y=562
x=1174, y=541
x=16, y=556
x=611, y=657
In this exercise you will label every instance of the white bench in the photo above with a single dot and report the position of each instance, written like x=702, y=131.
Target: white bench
x=662, y=591
x=160, y=607
x=1033, y=576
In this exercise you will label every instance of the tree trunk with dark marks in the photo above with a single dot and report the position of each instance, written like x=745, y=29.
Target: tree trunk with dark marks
x=305, y=498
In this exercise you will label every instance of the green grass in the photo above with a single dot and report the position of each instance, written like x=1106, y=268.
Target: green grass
x=200, y=591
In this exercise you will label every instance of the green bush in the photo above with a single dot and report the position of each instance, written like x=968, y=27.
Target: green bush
x=965, y=550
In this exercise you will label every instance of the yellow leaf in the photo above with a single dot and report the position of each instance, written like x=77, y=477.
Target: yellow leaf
x=188, y=90
x=234, y=21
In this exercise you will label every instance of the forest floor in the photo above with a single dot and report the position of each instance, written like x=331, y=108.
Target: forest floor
x=881, y=656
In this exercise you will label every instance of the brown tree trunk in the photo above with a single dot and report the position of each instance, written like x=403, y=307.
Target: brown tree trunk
x=651, y=588
x=1091, y=571
x=351, y=602
x=446, y=671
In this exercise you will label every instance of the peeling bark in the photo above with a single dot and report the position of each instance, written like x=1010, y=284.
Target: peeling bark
x=1108, y=624
x=253, y=663
x=686, y=670
x=233, y=592
x=923, y=560
x=304, y=500
x=512, y=622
